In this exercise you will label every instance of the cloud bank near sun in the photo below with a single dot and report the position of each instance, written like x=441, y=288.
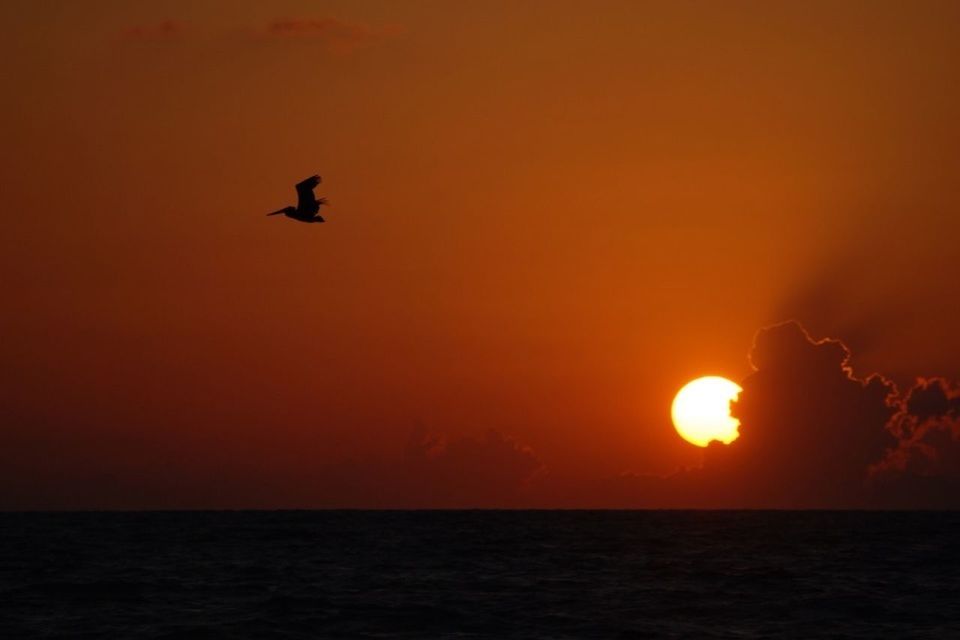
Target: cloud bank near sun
x=814, y=434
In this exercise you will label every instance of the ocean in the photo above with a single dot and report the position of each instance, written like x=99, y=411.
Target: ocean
x=480, y=574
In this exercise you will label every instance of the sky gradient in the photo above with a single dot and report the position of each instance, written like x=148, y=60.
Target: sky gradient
x=546, y=218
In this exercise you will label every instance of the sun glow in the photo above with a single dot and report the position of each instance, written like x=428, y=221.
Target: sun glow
x=701, y=411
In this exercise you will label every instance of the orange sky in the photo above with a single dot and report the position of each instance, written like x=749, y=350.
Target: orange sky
x=547, y=217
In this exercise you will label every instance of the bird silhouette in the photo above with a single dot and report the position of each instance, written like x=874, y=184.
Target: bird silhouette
x=308, y=207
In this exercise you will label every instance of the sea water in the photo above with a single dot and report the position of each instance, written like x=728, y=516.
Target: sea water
x=480, y=574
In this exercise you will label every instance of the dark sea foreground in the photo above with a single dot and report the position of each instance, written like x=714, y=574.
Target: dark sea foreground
x=480, y=574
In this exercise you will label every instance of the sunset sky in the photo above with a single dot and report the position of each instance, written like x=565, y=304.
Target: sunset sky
x=546, y=218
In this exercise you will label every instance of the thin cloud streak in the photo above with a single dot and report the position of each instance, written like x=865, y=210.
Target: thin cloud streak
x=164, y=30
x=340, y=37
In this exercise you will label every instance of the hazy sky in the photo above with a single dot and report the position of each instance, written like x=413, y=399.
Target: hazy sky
x=546, y=218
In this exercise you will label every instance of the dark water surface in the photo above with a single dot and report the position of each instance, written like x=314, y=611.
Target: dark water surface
x=481, y=574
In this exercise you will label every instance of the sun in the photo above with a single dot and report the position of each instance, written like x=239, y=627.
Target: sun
x=701, y=411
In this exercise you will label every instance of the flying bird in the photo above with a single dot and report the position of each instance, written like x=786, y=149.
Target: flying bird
x=308, y=207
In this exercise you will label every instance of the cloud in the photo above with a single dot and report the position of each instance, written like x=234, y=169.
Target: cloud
x=934, y=398
x=810, y=428
x=491, y=470
x=927, y=425
x=339, y=36
x=815, y=435
x=429, y=471
x=123, y=469
x=164, y=30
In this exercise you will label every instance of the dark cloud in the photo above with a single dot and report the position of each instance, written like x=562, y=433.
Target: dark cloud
x=810, y=427
x=931, y=399
x=164, y=30
x=927, y=425
x=431, y=471
x=814, y=434
x=339, y=36
x=428, y=471
x=491, y=470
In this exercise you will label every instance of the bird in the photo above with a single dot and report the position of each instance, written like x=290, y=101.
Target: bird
x=308, y=207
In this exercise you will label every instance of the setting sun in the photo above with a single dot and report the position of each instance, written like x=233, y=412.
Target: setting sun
x=701, y=411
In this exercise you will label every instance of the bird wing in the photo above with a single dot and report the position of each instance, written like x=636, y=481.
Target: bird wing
x=305, y=199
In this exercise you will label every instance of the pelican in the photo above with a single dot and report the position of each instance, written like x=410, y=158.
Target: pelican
x=308, y=207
